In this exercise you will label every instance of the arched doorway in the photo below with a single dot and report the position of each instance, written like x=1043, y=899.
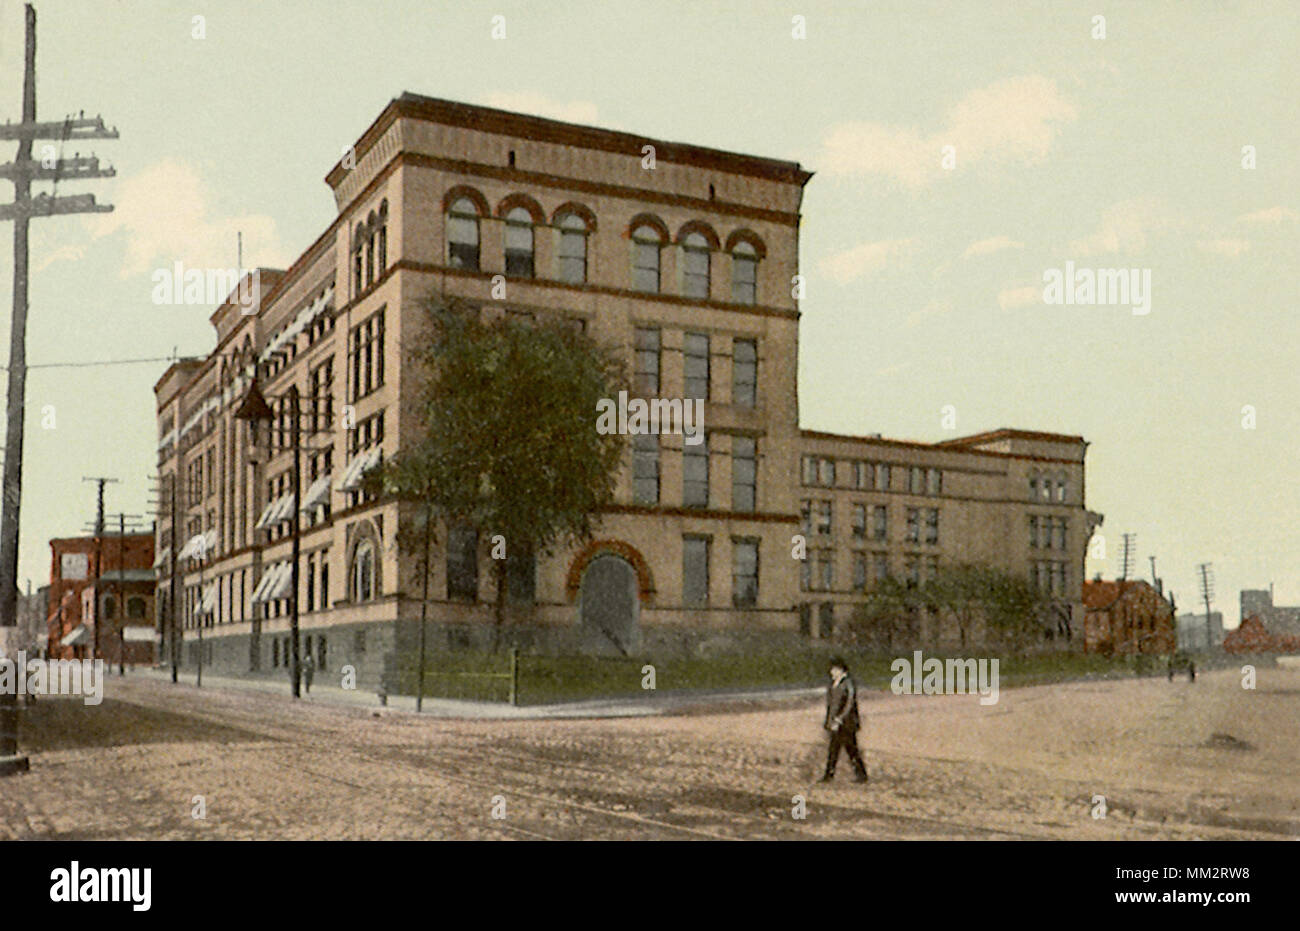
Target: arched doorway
x=609, y=605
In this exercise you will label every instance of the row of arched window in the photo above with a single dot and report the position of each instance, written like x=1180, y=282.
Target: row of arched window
x=370, y=249
x=574, y=223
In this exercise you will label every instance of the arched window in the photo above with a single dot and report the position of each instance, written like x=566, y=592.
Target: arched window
x=695, y=265
x=519, y=243
x=110, y=607
x=358, y=261
x=744, y=273
x=381, y=260
x=462, y=234
x=363, y=572
x=573, y=248
x=371, y=225
x=646, y=243
x=1060, y=487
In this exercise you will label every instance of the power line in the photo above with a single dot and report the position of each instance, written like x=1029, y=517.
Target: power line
x=80, y=365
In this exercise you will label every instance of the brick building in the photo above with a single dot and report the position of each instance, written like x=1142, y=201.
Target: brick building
x=106, y=581
x=1127, y=617
x=687, y=266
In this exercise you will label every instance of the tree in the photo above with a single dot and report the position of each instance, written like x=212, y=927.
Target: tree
x=888, y=615
x=1007, y=603
x=509, y=444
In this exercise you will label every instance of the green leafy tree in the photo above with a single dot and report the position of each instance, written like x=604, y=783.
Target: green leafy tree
x=887, y=619
x=509, y=444
x=1007, y=602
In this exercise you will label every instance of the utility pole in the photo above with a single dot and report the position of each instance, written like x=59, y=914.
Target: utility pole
x=1207, y=596
x=22, y=171
x=1126, y=557
x=99, y=548
x=169, y=491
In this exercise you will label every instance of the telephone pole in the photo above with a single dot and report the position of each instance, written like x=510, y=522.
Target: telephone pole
x=1207, y=595
x=101, y=481
x=1130, y=539
x=22, y=171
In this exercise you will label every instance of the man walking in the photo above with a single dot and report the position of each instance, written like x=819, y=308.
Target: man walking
x=842, y=721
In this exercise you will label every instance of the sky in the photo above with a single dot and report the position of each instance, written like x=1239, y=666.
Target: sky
x=961, y=150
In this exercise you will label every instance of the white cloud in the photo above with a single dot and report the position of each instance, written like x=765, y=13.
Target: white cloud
x=1013, y=120
x=937, y=308
x=573, y=111
x=1019, y=297
x=1269, y=215
x=1229, y=247
x=166, y=215
x=990, y=246
x=1124, y=228
x=868, y=258
x=59, y=254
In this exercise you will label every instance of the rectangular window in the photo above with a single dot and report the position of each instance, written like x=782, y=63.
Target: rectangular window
x=366, y=353
x=862, y=475
x=744, y=278
x=805, y=517
x=826, y=473
x=462, y=563
x=695, y=272
x=931, y=568
x=859, y=571
x=825, y=513
x=826, y=570
x=695, y=474
x=859, y=520
x=879, y=522
x=808, y=470
x=934, y=482
x=916, y=481
x=744, y=371
x=696, y=366
x=912, y=569
x=573, y=254
x=744, y=573
x=882, y=477
x=645, y=468
x=805, y=574
x=1060, y=533
x=744, y=473
x=695, y=571
x=879, y=566
x=647, y=361
x=932, y=525
x=913, y=525
x=1033, y=532
x=645, y=265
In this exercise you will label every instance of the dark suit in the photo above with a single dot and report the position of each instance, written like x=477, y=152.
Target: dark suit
x=842, y=721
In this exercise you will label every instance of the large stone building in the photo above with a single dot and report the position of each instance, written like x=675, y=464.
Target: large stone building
x=682, y=256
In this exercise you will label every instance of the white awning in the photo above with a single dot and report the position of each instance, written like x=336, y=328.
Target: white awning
x=357, y=468
x=139, y=635
x=267, y=511
x=201, y=546
x=209, y=599
x=283, y=583
x=79, y=634
x=318, y=493
x=274, y=584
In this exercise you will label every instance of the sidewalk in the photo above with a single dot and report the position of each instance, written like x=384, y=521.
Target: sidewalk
x=645, y=704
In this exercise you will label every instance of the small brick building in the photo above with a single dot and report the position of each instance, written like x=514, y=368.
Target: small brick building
x=106, y=581
x=1127, y=616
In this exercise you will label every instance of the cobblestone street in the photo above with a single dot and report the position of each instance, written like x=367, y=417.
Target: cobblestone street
x=1173, y=760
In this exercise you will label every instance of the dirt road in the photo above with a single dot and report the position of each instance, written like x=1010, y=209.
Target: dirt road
x=1172, y=760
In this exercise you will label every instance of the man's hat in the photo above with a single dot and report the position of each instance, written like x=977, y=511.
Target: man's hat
x=837, y=661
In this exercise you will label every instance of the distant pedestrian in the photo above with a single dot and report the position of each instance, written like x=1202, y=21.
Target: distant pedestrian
x=842, y=721
x=1191, y=671
x=308, y=671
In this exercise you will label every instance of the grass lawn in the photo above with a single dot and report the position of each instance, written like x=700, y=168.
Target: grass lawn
x=545, y=679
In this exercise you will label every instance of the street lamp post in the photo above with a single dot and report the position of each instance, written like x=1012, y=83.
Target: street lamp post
x=255, y=410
